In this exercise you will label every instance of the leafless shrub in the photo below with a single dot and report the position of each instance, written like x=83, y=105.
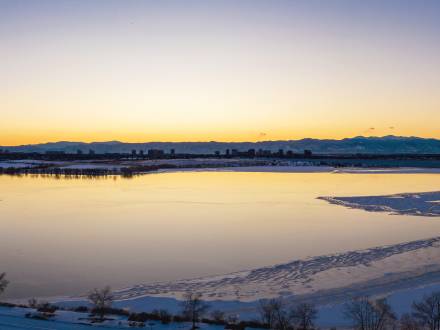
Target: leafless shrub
x=304, y=316
x=101, y=299
x=275, y=314
x=370, y=315
x=408, y=322
x=3, y=282
x=194, y=307
x=33, y=303
x=427, y=311
x=218, y=316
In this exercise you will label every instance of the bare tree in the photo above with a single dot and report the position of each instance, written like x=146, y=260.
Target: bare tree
x=194, y=307
x=369, y=315
x=304, y=316
x=427, y=311
x=267, y=309
x=233, y=319
x=164, y=316
x=101, y=299
x=33, y=303
x=218, y=316
x=283, y=320
x=274, y=314
x=407, y=322
x=3, y=282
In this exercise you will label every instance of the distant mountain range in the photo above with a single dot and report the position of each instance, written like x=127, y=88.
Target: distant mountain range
x=383, y=145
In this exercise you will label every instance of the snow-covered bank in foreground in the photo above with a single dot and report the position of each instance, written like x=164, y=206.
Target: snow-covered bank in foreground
x=421, y=204
x=322, y=277
x=404, y=272
x=330, y=315
x=327, y=281
x=400, y=302
x=15, y=318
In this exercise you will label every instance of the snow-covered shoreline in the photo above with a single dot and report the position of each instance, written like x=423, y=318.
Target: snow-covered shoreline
x=305, y=169
x=325, y=280
x=312, y=276
x=255, y=169
x=419, y=204
x=202, y=165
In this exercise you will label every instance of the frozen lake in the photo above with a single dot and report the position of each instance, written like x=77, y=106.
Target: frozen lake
x=65, y=236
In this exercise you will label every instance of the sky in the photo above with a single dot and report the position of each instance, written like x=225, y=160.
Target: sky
x=238, y=70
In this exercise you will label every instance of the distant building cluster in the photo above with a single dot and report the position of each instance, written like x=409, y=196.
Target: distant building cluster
x=261, y=153
x=228, y=153
x=171, y=153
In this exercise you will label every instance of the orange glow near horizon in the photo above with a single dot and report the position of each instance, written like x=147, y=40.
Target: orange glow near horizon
x=19, y=135
x=227, y=71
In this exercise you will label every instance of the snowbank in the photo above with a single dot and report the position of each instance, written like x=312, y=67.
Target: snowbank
x=421, y=204
x=404, y=272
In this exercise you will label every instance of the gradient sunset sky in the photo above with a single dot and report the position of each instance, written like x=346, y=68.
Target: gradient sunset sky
x=234, y=70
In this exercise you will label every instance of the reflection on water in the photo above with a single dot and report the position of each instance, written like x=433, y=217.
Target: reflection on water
x=66, y=236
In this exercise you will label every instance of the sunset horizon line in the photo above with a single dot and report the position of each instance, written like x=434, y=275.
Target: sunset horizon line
x=217, y=141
